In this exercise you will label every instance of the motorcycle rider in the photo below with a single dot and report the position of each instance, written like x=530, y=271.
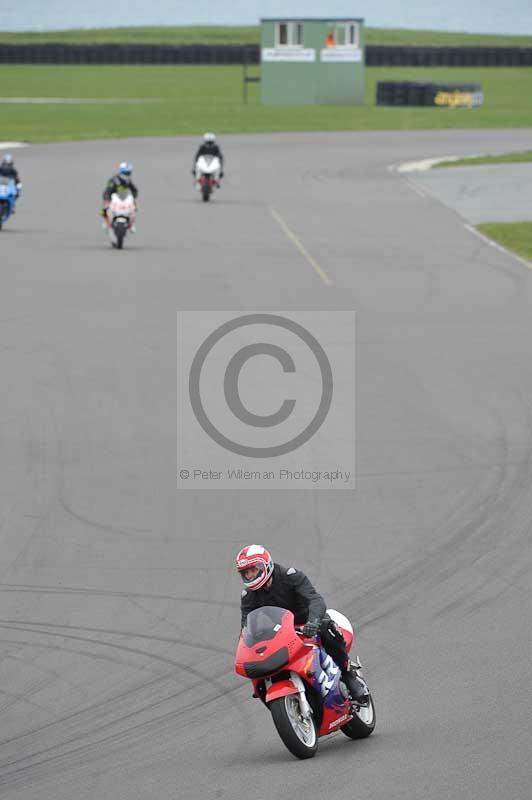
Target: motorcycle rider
x=8, y=170
x=209, y=147
x=269, y=584
x=120, y=182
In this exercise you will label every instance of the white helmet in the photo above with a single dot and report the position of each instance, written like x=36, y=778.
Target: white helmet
x=209, y=137
x=7, y=158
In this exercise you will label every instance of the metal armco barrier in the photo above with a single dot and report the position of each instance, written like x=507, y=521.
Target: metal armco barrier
x=443, y=95
x=376, y=55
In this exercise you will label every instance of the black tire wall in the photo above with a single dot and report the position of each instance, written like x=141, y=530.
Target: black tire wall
x=417, y=93
x=375, y=55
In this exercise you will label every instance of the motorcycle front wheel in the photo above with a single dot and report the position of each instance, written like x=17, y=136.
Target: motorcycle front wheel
x=120, y=233
x=297, y=733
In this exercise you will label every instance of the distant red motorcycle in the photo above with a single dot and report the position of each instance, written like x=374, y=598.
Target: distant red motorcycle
x=299, y=682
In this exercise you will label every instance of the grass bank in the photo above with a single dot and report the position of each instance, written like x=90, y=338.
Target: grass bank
x=203, y=34
x=516, y=236
x=198, y=34
x=170, y=100
x=504, y=158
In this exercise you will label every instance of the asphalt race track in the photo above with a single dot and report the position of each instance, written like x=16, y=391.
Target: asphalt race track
x=487, y=193
x=119, y=605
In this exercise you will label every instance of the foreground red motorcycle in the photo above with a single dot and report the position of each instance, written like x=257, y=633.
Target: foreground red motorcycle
x=299, y=682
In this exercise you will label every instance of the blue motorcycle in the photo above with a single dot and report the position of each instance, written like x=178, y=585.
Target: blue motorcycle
x=8, y=197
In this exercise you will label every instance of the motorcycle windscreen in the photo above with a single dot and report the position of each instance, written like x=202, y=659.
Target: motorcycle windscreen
x=263, y=624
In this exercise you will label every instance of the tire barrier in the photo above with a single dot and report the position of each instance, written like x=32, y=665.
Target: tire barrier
x=395, y=56
x=129, y=54
x=376, y=55
x=414, y=93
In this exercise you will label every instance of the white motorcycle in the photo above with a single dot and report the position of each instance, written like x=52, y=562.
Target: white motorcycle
x=208, y=170
x=120, y=217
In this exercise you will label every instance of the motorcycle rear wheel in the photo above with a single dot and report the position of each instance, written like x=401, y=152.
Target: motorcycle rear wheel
x=363, y=723
x=298, y=734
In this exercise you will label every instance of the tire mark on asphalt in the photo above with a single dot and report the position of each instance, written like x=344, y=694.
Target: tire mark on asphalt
x=37, y=627
x=23, y=697
x=101, y=526
x=64, y=759
x=441, y=562
x=32, y=589
x=94, y=751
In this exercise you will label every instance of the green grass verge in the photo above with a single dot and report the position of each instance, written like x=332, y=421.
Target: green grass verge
x=197, y=34
x=245, y=34
x=505, y=158
x=516, y=236
x=443, y=38
x=191, y=99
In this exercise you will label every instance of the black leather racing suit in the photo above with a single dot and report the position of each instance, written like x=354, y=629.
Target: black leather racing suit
x=9, y=171
x=292, y=589
x=118, y=183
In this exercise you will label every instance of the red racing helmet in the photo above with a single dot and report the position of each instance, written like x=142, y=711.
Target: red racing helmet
x=254, y=555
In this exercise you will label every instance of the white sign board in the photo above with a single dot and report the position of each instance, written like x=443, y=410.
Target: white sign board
x=339, y=54
x=288, y=54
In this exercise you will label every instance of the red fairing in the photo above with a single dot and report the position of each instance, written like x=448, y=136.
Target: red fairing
x=260, y=651
x=280, y=689
x=331, y=721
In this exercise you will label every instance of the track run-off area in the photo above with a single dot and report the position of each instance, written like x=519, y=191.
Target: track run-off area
x=119, y=602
